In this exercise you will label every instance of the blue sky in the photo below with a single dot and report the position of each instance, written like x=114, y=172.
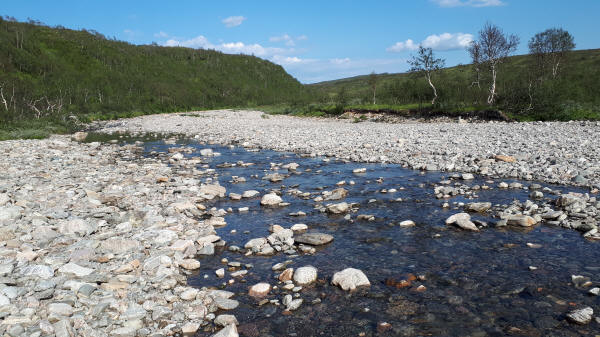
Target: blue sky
x=319, y=40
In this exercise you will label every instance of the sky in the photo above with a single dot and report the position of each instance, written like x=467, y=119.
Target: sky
x=319, y=40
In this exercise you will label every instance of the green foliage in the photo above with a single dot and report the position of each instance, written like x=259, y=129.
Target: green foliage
x=575, y=94
x=50, y=74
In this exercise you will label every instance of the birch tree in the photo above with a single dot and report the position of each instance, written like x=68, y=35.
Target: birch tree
x=549, y=48
x=373, y=84
x=495, y=46
x=425, y=63
x=475, y=52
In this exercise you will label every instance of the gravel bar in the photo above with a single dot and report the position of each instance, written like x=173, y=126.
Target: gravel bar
x=553, y=152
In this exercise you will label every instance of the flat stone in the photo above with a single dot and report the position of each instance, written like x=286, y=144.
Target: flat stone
x=78, y=227
x=61, y=309
x=190, y=264
x=38, y=270
x=407, y=223
x=521, y=220
x=124, y=332
x=350, y=279
x=119, y=246
x=479, y=207
x=77, y=270
x=226, y=303
x=314, y=239
x=189, y=329
x=462, y=220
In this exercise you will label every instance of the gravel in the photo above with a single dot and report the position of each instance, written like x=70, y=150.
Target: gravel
x=555, y=152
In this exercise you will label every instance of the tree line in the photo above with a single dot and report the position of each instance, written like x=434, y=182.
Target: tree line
x=550, y=82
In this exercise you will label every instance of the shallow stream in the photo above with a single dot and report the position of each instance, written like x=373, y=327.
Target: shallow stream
x=477, y=283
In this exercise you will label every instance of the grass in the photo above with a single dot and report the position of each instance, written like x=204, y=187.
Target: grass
x=34, y=129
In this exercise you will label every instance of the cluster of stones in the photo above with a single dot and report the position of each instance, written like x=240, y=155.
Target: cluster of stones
x=96, y=240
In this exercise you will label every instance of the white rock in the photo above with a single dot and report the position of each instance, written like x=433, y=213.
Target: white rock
x=271, y=199
x=350, y=279
x=305, y=275
x=259, y=290
x=224, y=320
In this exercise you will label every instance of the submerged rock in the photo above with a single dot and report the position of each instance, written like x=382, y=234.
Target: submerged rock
x=581, y=316
x=305, y=275
x=314, y=239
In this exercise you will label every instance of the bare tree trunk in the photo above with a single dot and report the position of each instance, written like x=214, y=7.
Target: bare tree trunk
x=555, y=69
x=374, y=91
x=432, y=87
x=2, y=97
x=492, y=95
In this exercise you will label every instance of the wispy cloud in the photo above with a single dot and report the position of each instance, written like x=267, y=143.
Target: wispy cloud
x=287, y=39
x=469, y=3
x=233, y=21
x=441, y=42
x=161, y=35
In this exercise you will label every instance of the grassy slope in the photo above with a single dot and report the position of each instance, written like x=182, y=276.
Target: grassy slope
x=92, y=77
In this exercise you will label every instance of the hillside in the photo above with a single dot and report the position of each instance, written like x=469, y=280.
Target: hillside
x=55, y=72
x=574, y=93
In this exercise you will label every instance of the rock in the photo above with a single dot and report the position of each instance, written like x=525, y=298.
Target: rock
x=75, y=269
x=338, y=208
x=4, y=199
x=521, y=220
x=305, y=275
x=250, y=194
x=286, y=275
x=271, y=199
x=255, y=244
x=467, y=176
x=359, y=170
x=220, y=272
x=38, y=270
x=407, y=223
x=60, y=309
x=206, y=152
x=462, y=220
x=225, y=320
x=228, y=331
x=581, y=316
x=507, y=159
x=190, y=264
x=119, y=246
x=259, y=290
x=212, y=191
x=189, y=294
x=189, y=329
x=10, y=212
x=226, y=303
x=337, y=194
x=478, y=207
x=4, y=300
x=63, y=328
x=127, y=331
x=299, y=227
x=350, y=279
x=314, y=239
x=79, y=227
x=291, y=166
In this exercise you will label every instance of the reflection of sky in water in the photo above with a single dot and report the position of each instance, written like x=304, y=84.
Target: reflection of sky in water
x=476, y=284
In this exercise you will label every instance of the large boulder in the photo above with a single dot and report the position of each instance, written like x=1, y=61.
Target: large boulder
x=340, y=208
x=271, y=199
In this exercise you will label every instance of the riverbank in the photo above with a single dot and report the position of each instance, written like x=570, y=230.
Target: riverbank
x=553, y=152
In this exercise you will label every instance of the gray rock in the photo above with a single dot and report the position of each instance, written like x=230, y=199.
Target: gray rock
x=271, y=199
x=338, y=208
x=462, y=220
x=314, y=239
x=38, y=270
x=478, y=207
x=79, y=227
x=226, y=303
x=228, y=331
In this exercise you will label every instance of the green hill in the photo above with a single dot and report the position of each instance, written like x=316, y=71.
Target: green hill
x=52, y=76
x=574, y=94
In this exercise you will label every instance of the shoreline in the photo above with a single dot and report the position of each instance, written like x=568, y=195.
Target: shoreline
x=565, y=153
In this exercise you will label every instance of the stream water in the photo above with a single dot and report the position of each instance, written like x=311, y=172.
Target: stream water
x=476, y=283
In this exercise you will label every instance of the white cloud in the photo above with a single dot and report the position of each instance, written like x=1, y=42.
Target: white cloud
x=302, y=37
x=161, y=35
x=229, y=47
x=340, y=61
x=197, y=42
x=233, y=21
x=445, y=41
x=402, y=46
x=290, y=60
x=470, y=3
